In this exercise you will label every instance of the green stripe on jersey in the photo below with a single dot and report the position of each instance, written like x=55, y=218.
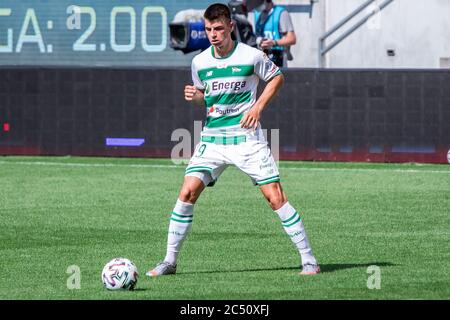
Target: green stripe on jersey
x=228, y=98
x=231, y=71
x=223, y=121
x=224, y=140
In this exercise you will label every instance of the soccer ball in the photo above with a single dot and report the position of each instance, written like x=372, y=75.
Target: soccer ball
x=120, y=273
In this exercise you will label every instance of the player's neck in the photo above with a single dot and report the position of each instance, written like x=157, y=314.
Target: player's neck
x=224, y=50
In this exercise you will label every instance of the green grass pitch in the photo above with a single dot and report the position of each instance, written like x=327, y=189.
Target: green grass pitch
x=62, y=211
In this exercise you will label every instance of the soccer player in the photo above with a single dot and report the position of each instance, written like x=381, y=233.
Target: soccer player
x=225, y=78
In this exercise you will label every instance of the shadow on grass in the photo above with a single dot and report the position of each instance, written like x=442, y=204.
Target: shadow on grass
x=341, y=266
x=325, y=268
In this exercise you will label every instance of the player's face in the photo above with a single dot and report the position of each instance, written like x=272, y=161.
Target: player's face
x=218, y=31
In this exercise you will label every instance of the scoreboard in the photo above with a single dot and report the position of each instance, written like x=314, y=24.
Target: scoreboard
x=90, y=32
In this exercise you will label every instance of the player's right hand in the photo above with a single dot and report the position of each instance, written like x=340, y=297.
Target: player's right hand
x=189, y=92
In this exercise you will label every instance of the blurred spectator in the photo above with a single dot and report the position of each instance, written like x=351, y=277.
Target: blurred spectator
x=243, y=31
x=274, y=25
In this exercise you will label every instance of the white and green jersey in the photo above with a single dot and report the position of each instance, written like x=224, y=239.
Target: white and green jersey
x=230, y=84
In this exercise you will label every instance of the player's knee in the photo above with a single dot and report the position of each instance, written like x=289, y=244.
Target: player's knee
x=276, y=200
x=188, y=195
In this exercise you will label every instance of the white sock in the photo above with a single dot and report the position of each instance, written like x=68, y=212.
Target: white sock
x=293, y=225
x=179, y=227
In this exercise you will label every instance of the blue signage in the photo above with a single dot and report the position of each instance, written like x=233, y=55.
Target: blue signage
x=91, y=32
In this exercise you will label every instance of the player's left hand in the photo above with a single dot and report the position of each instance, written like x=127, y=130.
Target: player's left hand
x=250, y=120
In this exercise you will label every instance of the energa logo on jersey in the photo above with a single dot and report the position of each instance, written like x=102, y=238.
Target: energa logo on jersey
x=220, y=86
x=207, y=88
x=228, y=85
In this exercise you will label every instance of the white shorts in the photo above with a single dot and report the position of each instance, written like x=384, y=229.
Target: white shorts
x=249, y=152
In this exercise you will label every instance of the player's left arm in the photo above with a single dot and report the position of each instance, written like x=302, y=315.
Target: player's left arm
x=252, y=117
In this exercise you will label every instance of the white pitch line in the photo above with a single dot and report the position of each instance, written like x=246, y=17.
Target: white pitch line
x=368, y=170
x=73, y=164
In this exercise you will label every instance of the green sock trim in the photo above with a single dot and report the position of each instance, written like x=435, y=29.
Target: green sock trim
x=182, y=221
x=289, y=219
x=183, y=215
x=286, y=226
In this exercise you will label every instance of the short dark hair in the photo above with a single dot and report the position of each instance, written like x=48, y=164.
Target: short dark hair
x=217, y=11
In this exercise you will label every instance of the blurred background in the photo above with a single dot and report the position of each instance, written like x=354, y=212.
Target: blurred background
x=368, y=80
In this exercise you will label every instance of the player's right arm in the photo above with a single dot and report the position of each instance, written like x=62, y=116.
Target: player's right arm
x=193, y=94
